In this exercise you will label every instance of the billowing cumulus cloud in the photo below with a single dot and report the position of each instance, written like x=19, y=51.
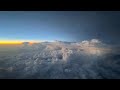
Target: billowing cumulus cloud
x=93, y=42
x=89, y=59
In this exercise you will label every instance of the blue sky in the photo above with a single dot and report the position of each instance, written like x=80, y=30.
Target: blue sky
x=59, y=25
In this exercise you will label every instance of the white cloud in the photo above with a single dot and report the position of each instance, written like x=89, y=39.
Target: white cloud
x=56, y=60
x=95, y=41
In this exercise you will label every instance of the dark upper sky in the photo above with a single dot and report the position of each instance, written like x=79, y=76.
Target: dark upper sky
x=60, y=25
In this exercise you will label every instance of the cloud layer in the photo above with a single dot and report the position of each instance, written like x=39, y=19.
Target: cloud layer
x=89, y=59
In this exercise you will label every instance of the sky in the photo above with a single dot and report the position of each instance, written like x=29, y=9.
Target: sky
x=60, y=25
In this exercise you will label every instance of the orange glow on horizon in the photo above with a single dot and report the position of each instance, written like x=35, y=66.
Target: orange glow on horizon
x=10, y=42
x=15, y=42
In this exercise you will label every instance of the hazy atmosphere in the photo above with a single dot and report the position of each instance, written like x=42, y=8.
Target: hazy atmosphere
x=59, y=44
